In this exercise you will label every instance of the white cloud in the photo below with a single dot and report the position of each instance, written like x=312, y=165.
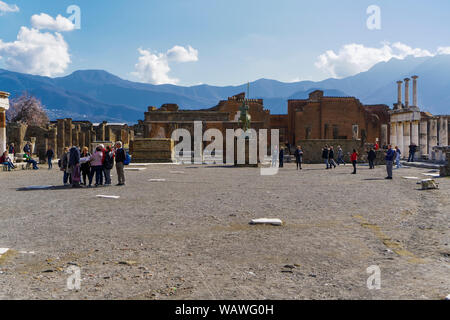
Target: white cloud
x=443, y=50
x=36, y=52
x=154, y=67
x=44, y=21
x=355, y=58
x=181, y=54
x=4, y=7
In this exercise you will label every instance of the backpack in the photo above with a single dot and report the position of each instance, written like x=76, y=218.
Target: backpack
x=127, y=159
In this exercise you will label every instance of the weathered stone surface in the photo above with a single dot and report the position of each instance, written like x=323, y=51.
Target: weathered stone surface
x=153, y=150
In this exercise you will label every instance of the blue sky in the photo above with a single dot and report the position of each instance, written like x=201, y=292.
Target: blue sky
x=222, y=42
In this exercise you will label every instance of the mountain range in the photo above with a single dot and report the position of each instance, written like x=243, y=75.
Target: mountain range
x=97, y=95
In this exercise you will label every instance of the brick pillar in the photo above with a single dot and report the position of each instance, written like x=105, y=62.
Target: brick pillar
x=68, y=132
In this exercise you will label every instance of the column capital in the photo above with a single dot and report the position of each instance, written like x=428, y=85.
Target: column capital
x=415, y=77
x=407, y=79
x=399, y=82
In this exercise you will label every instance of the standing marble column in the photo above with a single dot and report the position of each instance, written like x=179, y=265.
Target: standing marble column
x=393, y=140
x=4, y=105
x=443, y=131
x=400, y=136
x=424, y=137
x=399, y=101
x=415, y=132
x=415, y=90
x=406, y=137
x=432, y=138
x=407, y=93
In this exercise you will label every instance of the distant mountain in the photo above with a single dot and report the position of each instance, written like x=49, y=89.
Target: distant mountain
x=97, y=95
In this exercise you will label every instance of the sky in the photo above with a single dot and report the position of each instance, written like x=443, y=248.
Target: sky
x=217, y=42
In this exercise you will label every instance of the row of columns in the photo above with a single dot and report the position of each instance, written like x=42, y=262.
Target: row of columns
x=407, y=101
x=405, y=133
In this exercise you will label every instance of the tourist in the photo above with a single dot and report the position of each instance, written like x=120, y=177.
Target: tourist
x=340, y=154
x=390, y=155
x=325, y=153
x=398, y=157
x=120, y=163
x=281, y=156
x=85, y=165
x=74, y=165
x=50, y=154
x=96, y=166
x=64, y=166
x=108, y=164
x=6, y=161
x=371, y=156
x=412, y=152
x=331, y=161
x=28, y=159
x=354, y=160
x=376, y=146
x=299, y=157
x=11, y=149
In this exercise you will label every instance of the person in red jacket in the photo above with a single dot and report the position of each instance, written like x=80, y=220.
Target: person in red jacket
x=354, y=159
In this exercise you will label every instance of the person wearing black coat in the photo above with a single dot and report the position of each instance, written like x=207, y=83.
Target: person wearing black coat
x=299, y=157
x=281, y=157
x=325, y=153
x=371, y=156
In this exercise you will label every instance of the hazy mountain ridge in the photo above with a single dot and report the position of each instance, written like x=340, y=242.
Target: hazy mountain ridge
x=97, y=95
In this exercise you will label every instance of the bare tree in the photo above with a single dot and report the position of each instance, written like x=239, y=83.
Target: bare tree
x=27, y=109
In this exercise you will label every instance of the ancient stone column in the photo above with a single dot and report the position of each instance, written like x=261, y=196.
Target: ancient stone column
x=406, y=137
x=384, y=135
x=415, y=103
x=407, y=93
x=443, y=131
x=68, y=133
x=393, y=140
x=415, y=132
x=399, y=101
x=52, y=139
x=4, y=105
x=424, y=137
x=61, y=137
x=400, y=136
x=432, y=138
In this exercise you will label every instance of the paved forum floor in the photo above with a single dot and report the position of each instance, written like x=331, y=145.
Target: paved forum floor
x=189, y=237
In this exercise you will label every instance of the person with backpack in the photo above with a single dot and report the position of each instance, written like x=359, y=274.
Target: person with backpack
x=331, y=161
x=108, y=164
x=85, y=166
x=121, y=157
x=74, y=165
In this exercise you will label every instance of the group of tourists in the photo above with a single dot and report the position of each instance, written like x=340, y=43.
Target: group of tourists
x=328, y=155
x=80, y=166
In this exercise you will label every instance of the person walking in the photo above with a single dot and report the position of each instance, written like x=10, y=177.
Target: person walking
x=325, y=153
x=281, y=157
x=371, y=156
x=96, y=167
x=354, y=160
x=412, y=152
x=398, y=156
x=340, y=154
x=390, y=156
x=85, y=166
x=299, y=157
x=331, y=161
x=50, y=154
x=120, y=163
x=108, y=164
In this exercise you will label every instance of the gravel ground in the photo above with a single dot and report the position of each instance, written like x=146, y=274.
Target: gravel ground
x=189, y=237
